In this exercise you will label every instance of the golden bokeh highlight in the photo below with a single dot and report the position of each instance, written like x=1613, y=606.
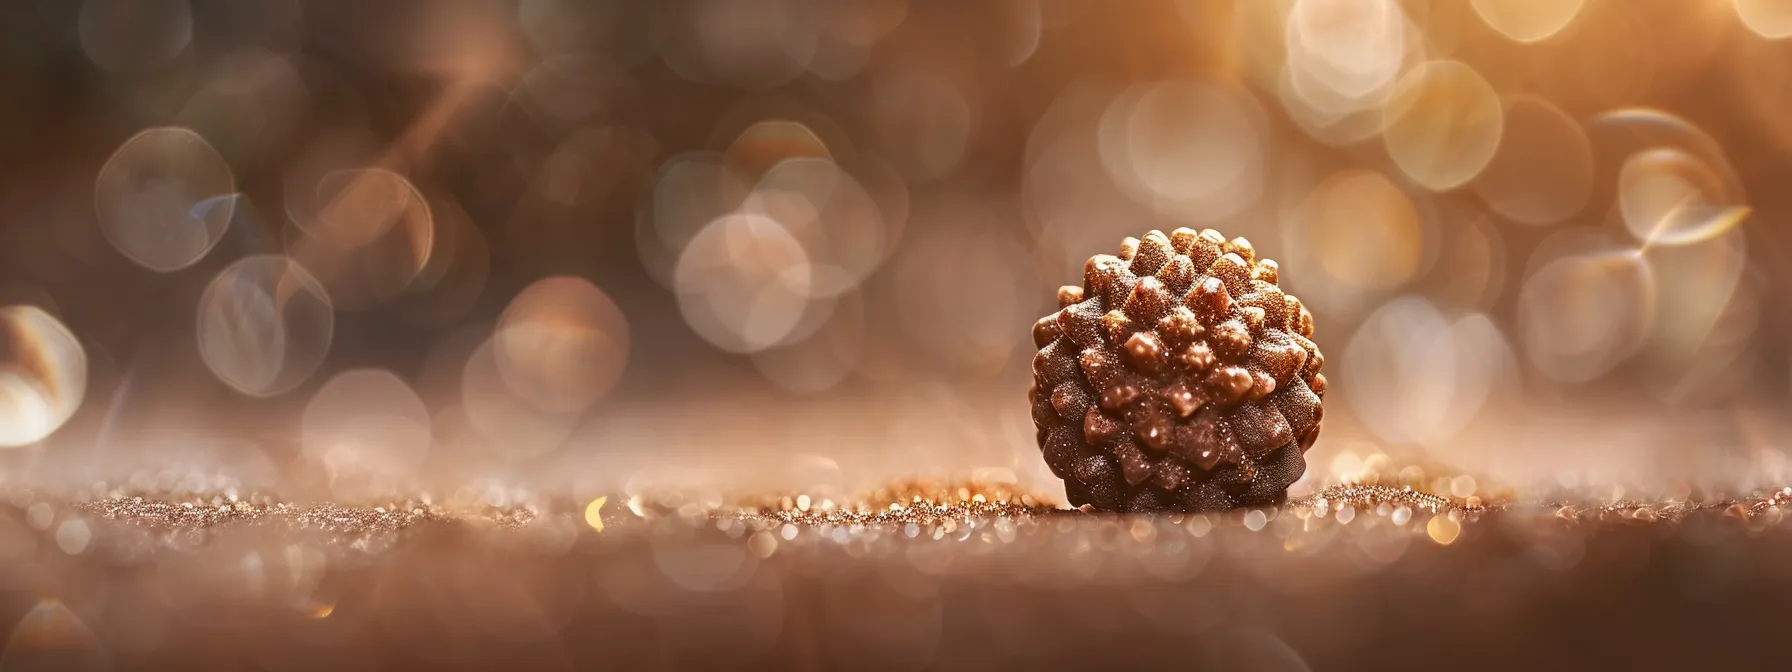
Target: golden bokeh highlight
x=1582, y=314
x=1442, y=124
x=837, y=221
x=562, y=344
x=1470, y=272
x=368, y=430
x=411, y=230
x=690, y=191
x=371, y=238
x=1717, y=310
x=362, y=204
x=1364, y=230
x=1191, y=148
x=1416, y=376
x=504, y=424
x=1613, y=58
x=1542, y=172
x=1338, y=129
x=43, y=375
x=594, y=513
x=1342, y=53
x=1527, y=21
x=1771, y=19
x=1670, y=197
x=1443, y=529
x=826, y=355
x=744, y=282
x=765, y=143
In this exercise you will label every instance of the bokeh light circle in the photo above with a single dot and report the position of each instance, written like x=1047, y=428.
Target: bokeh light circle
x=134, y=35
x=840, y=226
x=825, y=357
x=1620, y=135
x=1415, y=376
x=689, y=192
x=1189, y=146
x=1771, y=19
x=1543, y=170
x=1582, y=314
x=1362, y=229
x=359, y=205
x=164, y=198
x=1670, y=197
x=43, y=375
x=1470, y=271
x=1337, y=129
x=1716, y=315
x=1442, y=124
x=372, y=237
x=1528, y=21
x=265, y=324
x=744, y=282
x=368, y=429
x=459, y=264
x=562, y=344
x=765, y=144
x=1344, y=50
x=511, y=427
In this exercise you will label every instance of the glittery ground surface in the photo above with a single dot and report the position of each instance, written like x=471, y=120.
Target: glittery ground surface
x=917, y=575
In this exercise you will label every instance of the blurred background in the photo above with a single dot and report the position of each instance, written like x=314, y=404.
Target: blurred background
x=494, y=249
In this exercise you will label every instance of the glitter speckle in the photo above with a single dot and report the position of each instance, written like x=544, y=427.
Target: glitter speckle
x=910, y=511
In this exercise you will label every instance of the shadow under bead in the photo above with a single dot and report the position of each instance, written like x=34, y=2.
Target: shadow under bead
x=1178, y=377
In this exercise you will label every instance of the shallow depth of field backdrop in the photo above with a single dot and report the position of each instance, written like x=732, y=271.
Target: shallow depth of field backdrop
x=489, y=250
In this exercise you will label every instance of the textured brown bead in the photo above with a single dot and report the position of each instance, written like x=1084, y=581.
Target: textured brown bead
x=1234, y=271
x=1149, y=301
x=1230, y=339
x=1267, y=270
x=1100, y=429
x=1179, y=328
x=1183, y=240
x=1144, y=352
x=1099, y=366
x=1179, y=377
x=1069, y=294
x=1209, y=301
x=1198, y=358
x=1045, y=331
x=1183, y=399
x=1154, y=252
x=1178, y=275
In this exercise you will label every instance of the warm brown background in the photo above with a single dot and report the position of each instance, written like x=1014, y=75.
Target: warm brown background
x=1542, y=240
